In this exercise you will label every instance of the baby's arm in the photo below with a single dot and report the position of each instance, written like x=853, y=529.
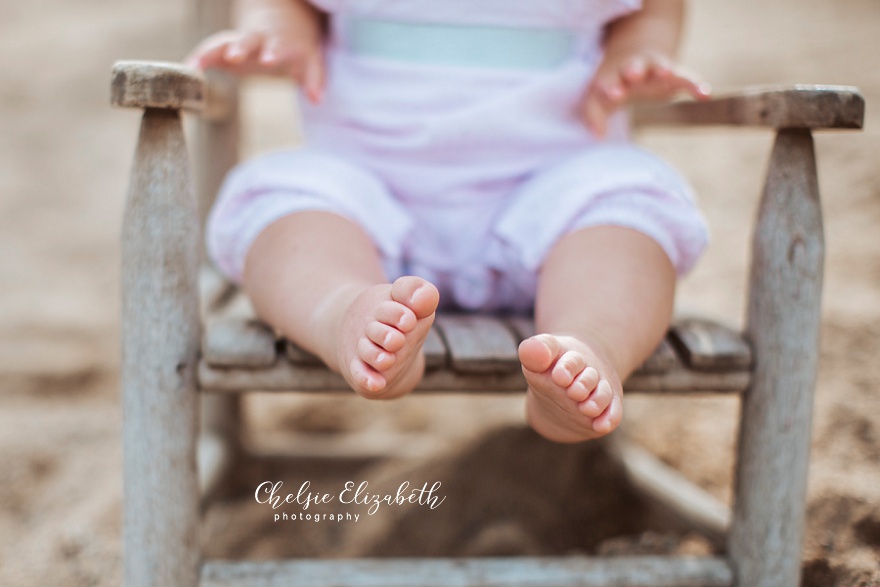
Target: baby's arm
x=272, y=37
x=639, y=63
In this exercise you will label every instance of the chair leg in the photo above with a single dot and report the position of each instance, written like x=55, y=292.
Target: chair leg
x=160, y=349
x=783, y=324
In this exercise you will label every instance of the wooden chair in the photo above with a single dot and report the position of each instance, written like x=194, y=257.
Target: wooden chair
x=189, y=337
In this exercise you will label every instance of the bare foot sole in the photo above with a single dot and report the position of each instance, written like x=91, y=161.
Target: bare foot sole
x=574, y=394
x=382, y=334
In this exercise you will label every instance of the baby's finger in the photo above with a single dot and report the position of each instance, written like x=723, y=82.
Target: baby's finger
x=682, y=81
x=594, y=114
x=278, y=54
x=209, y=52
x=635, y=70
x=244, y=48
x=314, y=77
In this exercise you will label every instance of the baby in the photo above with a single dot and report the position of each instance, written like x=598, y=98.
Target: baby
x=469, y=152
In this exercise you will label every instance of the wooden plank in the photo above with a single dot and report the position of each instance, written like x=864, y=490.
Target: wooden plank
x=166, y=85
x=235, y=337
x=799, y=106
x=709, y=346
x=574, y=571
x=160, y=343
x=783, y=326
x=662, y=360
x=285, y=376
x=523, y=327
x=436, y=356
x=680, y=380
x=478, y=343
x=216, y=141
x=214, y=146
x=238, y=342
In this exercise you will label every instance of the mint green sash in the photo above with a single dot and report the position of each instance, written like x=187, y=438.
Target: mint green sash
x=459, y=45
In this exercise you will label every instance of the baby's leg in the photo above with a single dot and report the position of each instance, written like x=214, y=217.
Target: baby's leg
x=604, y=302
x=317, y=278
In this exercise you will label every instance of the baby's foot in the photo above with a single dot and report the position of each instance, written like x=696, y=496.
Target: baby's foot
x=381, y=337
x=574, y=393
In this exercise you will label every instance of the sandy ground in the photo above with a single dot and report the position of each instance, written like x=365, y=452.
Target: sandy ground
x=64, y=159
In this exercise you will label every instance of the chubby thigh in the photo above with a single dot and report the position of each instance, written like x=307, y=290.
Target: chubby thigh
x=481, y=244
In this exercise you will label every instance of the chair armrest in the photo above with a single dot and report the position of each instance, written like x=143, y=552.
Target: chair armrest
x=799, y=106
x=172, y=86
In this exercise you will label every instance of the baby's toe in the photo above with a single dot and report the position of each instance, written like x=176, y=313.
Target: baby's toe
x=396, y=315
x=584, y=385
x=415, y=293
x=538, y=353
x=610, y=418
x=366, y=379
x=386, y=337
x=567, y=368
x=598, y=401
x=374, y=356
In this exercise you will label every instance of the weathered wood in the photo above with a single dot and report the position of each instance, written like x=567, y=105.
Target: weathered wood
x=631, y=571
x=165, y=85
x=214, y=148
x=215, y=142
x=799, y=106
x=662, y=360
x=235, y=337
x=285, y=376
x=783, y=326
x=690, y=503
x=232, y=342
x=522, y=327
x=160, y=339
x=478, y=344
x=680, y=380
x=436, y=356
x=709, y=346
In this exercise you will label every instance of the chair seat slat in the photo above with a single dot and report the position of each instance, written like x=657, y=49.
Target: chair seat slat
x=710, y=346
x=662, y=360
x=436, y=355
x=234, y=337
x=463, y=353
x=478, y=343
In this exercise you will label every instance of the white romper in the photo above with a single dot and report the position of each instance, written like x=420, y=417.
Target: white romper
x=449, y=132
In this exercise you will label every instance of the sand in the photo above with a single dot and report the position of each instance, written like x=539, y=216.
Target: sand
x=65, y=158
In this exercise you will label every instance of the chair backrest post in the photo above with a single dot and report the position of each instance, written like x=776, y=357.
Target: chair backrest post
x=215, y=142
x=767, y=529
x=214, y=149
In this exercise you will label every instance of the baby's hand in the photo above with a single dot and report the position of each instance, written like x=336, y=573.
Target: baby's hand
x=636, y=77
x=288, y=48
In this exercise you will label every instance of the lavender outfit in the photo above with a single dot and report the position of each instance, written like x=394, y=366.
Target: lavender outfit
x=449, y=133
